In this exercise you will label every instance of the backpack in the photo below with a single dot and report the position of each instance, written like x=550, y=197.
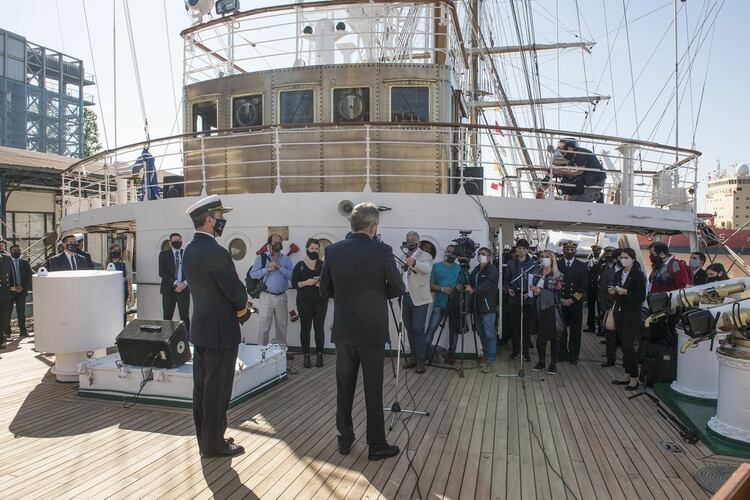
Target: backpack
x=255, y=286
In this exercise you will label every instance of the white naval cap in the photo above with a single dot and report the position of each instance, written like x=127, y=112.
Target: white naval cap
x=208, y=204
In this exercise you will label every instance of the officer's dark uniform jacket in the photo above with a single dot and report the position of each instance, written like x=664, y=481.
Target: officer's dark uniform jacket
x=217, y=293
x=575, y=282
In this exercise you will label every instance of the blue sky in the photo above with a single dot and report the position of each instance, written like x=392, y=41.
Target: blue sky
x=723, y=129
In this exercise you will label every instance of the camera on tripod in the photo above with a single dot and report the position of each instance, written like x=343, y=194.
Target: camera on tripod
x=466, y=249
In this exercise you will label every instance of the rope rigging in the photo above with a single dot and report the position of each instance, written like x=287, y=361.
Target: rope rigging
x=96, y=77
x=135, y=68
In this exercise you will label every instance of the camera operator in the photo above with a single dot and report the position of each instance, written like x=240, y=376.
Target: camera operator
x=483, y=287
x=515, y=284
x=667, y=274
x=417, y=299
x=443, y=281
x=579, y=171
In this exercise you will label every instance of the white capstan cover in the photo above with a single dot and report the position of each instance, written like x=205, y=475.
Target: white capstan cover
x=732, y=418
x=77, y=311
x=697, y=369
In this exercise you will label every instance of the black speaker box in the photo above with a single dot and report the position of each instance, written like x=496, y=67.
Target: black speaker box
x=158, y=343
x=471, y=186
x=172, y=186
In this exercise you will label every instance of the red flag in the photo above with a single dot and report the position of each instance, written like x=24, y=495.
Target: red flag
x=498, y=129
x=495, y=186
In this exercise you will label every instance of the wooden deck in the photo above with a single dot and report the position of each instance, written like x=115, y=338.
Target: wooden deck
x=573, y=435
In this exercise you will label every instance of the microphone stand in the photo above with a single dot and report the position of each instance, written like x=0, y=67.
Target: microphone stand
x=395, y=408
x=524, y=278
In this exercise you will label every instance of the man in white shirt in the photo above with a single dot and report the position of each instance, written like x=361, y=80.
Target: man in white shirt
x=417, y=299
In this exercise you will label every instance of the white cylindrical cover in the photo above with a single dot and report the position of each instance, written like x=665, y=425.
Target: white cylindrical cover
x=77, y=311
x=697, y=369
x=733, y=406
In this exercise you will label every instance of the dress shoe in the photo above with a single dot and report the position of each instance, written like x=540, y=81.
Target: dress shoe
x=420, y=367
x=552, y=369
x=515, y=355
x=229, y=450
x=632, y=387
x=319, y=360
x=621, y=382
x=306, y=361
x=229, y=440
x=608, y=364
x=345, y=446
x=410, y=364
x=382, y=453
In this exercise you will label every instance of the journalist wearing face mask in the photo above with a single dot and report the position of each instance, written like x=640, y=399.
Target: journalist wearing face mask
x=483, y=282
x=174, y=286
x=716, y=272
x=274, y=270
x=417, y=299
x=696, y=263
x=443, y=280
x=115, y=258
x=629, y=292
x=311, y=306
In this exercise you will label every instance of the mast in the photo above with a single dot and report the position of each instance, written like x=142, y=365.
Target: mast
x=676, y=89
x=114, y=62
x=473, y=112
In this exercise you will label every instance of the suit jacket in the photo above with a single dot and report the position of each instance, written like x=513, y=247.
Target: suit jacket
x=218, y=293
x=60, y=262
x=575, y=282
x=6, y=278
x=635, y=283
x=87, y=257
x=25, y=274
x=168, y=271
x=484, y=280
x=419, y=281
x=360, y=274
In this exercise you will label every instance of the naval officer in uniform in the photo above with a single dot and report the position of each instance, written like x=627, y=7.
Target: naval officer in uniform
x=220, y=306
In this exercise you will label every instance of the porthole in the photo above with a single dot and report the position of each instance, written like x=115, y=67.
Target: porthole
x=237, y=248
x=324, y=243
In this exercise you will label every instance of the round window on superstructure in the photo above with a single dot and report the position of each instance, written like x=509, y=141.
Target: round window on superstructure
x=238, y=248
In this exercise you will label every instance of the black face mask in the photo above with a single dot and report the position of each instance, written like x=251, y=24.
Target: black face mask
x=608, y=258
x=570, y=255
x=115, y=255
x=276, y=247
x=312, y=255
x=656, y=260
x=711, y=279
x=450, y=258
x=176, y=245
x=16, y=255
x=219, y=226
x=72, y=247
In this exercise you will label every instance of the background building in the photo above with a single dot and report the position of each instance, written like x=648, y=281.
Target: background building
x=728, y=197
x=41, y=98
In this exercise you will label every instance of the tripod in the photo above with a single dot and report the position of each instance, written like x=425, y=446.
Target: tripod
x=395, y=408
x=463, y=314
x=524, y=279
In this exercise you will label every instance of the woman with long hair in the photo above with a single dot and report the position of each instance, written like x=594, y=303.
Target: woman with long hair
x=311, y=306
x=716, y=272
x=629, y=291
x=545, y=289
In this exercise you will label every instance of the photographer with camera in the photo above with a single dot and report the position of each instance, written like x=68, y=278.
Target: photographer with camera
x=483, y=282
x=443, y=281
x=417, y=299
x=515, y=285
x=580, y=173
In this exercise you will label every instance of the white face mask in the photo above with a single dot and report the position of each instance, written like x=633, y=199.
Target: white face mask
x=483, y=259
x=546, y=261
x=695, y=263
x=626, y=262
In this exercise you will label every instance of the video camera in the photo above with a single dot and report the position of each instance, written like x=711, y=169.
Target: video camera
x=466, y=248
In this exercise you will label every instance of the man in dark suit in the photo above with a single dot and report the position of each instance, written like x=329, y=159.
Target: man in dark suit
x=174, y=288
x=220, y=306
x=68, y=259
x=594, y=267
x=575, y=283
x=6, y=285
x=360, y=274
x=21, y=272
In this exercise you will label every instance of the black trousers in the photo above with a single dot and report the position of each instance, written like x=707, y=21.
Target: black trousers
x=182, y=301
x=4, y=321
x=213, y=374
x=592, y=319
x=629, y=331
x=312, y=315
x=570, y=343
x=19, y=300
x=517, y=329
x=348, y=359
x=546, y=332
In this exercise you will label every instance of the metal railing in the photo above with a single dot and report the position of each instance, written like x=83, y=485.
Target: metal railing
x=387, y=157
x=326, y=32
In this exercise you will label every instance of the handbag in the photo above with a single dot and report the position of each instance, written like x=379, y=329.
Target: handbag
x=559, y=320
x=609, y=319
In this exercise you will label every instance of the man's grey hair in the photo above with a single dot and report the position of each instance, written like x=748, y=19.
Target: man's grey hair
x=412, y=233
x=364, y=216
